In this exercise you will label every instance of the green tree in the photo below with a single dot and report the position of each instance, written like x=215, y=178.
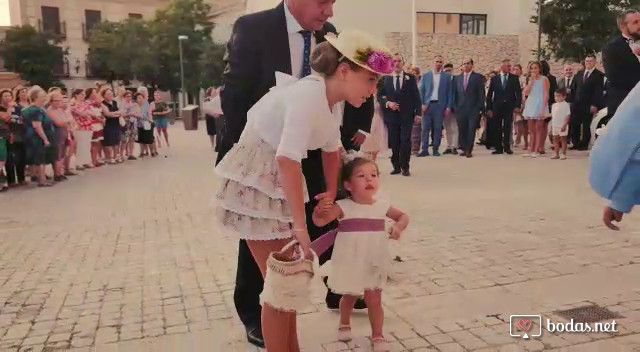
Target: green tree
x=115, y=49
x=181, y=17
x=32, y=54
x=575, y=28
x=211, y=64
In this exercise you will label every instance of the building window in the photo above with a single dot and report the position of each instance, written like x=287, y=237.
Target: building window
x=91, y=18
x=473, y=24
x=451, y=23
x=51, y=21
x=136, y=16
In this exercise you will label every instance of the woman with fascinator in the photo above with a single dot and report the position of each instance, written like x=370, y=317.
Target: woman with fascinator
x=263, y=190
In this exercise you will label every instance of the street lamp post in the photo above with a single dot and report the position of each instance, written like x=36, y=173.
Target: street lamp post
x=539, y=28
x=414, y=34
x=182, y=89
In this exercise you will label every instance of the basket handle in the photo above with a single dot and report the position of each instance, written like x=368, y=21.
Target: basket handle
x=315, y=259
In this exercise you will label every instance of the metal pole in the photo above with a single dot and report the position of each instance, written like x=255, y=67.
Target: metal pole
x=414, y=34
x=182, y=91
x=539, y=28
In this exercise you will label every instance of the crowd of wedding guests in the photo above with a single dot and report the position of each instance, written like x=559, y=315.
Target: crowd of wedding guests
x=76, y=130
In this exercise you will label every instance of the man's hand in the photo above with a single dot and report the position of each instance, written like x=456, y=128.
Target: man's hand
x=489, y=113
x=610, y=215
x=564, y=128
x=594, y=110
x=447, y=112
x=393, y=106
x=637, y=51
x=417, y=119
x=424, y=108
x=358, y=139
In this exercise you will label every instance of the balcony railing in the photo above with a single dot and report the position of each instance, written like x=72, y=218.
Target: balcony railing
x=60, y=30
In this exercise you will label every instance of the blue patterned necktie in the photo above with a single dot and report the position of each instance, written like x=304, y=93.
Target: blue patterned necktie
x=306, y=53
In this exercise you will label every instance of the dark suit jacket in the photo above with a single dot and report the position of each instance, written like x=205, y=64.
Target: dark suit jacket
x=408, y=97
x=468, y=103
x=500, y=98
x=570, y=92
x=553, y=86
x=356, y=119
x=622, y=68
x=588, y=93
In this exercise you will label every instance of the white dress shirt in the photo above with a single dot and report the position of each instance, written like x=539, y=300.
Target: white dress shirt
x=296, y=42
x=588, y=73
x=296, y=118
x=436, y=85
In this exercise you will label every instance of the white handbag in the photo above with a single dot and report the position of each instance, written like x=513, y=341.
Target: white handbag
x=287, y=283
x=146, y=125
x=122, y=121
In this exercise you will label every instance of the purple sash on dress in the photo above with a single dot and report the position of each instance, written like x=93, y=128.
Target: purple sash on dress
x=322, y=243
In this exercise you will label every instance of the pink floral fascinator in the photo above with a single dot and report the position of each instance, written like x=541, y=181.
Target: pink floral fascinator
x=363, y=50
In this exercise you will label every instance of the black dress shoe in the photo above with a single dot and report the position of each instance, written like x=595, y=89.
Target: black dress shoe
x=454, y=151
x=448, y=151
x=509, y=151
x=406, y=173
x=254, y=336
x=422, y=154
x=469, y=155
x=462, y=154
x=497, y=152
x=395, y=172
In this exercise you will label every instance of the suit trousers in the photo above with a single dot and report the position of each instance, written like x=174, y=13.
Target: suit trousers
x=400, y=141
x=467, y=126
x=500, y=128
x=451, y=130
x=432, y=122
x=580, y=123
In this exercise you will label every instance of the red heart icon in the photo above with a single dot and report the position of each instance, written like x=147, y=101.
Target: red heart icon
x=525, y=324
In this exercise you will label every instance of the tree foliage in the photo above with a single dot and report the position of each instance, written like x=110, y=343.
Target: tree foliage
x=32, y=54
x=115, y=49
x=575, y=28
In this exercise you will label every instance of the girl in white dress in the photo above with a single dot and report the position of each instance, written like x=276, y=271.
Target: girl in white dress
x=360, y=259
x=263, y=189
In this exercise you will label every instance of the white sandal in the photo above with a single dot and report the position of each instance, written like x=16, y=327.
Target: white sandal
x=380, y=344
x=344, y=333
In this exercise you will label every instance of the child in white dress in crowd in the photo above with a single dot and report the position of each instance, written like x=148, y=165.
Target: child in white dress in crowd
x=378, y=140
x=361, y=259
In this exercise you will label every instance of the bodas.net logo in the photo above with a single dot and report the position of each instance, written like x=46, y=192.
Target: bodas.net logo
x=525, y=326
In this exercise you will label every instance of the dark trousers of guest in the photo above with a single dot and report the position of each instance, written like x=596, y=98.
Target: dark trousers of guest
x=16, y=162
x=580, y=123
x=467, y=126
x=432, y=122
x=500, y=128
x=400, y=142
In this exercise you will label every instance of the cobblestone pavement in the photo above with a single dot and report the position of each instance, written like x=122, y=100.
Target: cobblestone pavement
x=129, y=258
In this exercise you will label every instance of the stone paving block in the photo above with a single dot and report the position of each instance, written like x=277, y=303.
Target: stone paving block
x=438, y=339
x=336, y=347
x=448, y=326
x=414, y=343
x=106, y=335
x=179, y=329
x=460, y=335
x=34, y=340
x=450, y=347
x=17, y=332
x=425, y=330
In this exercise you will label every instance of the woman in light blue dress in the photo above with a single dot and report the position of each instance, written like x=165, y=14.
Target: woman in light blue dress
x=536, y=107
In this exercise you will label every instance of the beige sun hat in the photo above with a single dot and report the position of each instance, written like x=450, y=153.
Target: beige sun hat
x=363, y=50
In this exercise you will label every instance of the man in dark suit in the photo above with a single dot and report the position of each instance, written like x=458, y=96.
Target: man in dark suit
x=621, y=59
x=567, y=81
x=261, y=44
x=400, y=100
x=504, y=96
x=588, y=86
x=356, y=124
x=468, y=101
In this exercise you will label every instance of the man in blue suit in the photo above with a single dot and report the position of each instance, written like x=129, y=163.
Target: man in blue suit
x=400, y=100
x=435, y=90
x=615, y=160
x=468, y=101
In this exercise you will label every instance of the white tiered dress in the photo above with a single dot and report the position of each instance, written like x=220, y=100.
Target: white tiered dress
x=288, y=121
x=360, y=259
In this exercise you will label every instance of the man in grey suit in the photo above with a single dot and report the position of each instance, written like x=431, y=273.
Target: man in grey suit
x=435, y=90
x=468, y=100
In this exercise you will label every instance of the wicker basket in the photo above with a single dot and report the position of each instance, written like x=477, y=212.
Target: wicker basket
x=287, y=283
